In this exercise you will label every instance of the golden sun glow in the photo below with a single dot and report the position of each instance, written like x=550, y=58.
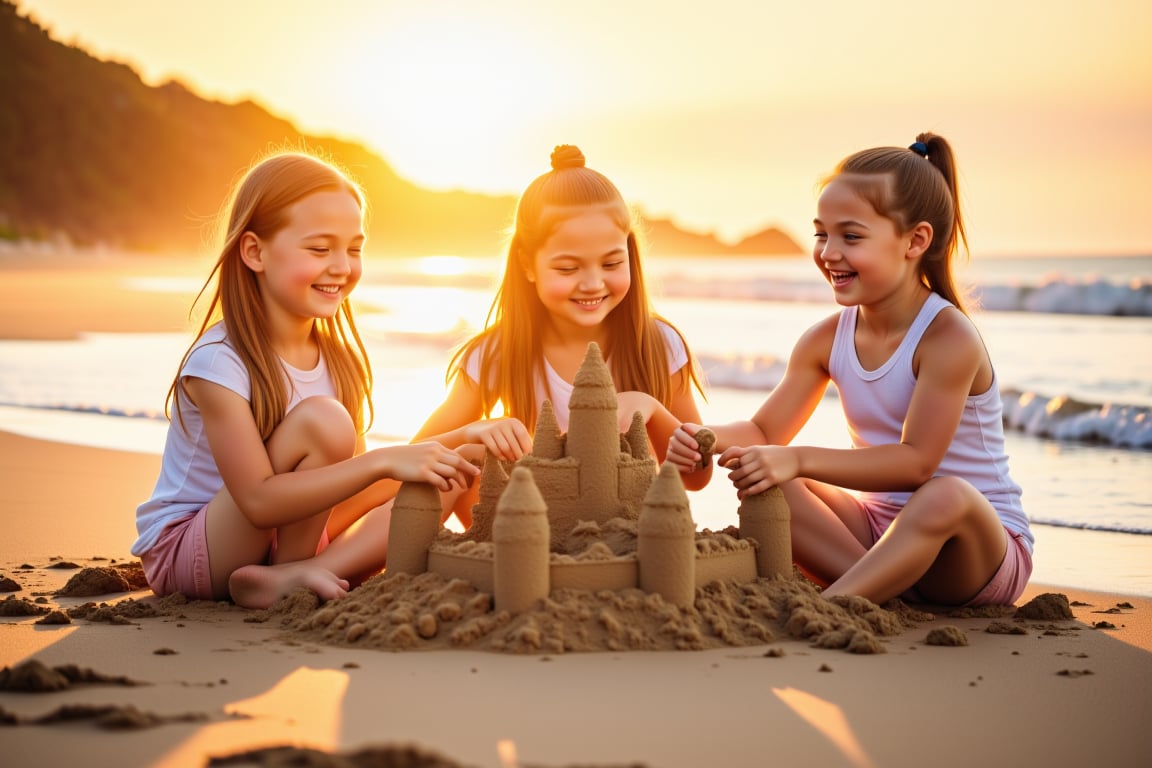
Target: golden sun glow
x=722, y=122
x=445, y=91
x=443, y=266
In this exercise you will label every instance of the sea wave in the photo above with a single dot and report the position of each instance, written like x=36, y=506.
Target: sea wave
x=1058, y=294
x=1056, y=417
x=1065, y=418
x=1068, y=296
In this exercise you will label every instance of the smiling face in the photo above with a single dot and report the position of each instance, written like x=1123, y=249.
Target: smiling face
x=581, y=273
x=863, y=255
x=307, y=268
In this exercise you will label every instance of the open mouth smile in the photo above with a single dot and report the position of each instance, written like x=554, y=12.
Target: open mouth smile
x=840, y=279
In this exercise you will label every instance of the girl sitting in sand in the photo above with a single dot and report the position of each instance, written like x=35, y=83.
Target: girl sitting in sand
x=269, y=405
x=938, y=518
x=573, y=276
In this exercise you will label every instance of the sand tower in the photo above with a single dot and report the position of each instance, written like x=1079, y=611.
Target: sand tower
x=766, y=518
x=521, y=537
x=594, y=433
x=666, y=540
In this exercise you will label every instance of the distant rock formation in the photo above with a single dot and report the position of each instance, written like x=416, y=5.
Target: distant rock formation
x=92, y=156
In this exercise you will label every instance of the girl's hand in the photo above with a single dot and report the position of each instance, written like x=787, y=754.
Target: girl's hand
x=759, y=467
x=683, y=450
x=430, y=463
x=508, y=438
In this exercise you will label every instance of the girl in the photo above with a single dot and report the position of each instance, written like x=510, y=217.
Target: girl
x=269, y=405
x=572, y=276
x=938, y=514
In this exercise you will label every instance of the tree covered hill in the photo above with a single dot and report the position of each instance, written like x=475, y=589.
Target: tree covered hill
x=92, y=154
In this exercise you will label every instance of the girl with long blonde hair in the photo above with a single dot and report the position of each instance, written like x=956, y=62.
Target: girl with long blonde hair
x=269, y=408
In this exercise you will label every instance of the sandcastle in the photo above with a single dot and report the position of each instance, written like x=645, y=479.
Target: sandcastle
x=588, y=485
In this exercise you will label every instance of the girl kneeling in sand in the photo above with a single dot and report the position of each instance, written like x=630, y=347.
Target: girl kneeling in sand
x=269, y=403
x=939, y=518
x=572, y=276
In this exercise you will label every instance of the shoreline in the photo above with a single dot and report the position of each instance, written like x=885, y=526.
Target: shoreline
x=1067, y=558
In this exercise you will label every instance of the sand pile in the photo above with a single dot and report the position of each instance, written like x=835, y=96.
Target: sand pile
x=399, y=612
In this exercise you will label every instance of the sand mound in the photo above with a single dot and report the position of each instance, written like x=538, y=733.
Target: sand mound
x=400, y=612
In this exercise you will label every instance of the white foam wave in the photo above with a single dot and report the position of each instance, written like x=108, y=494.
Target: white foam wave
x=1062, y=295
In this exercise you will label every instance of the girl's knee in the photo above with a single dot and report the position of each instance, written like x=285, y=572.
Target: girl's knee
x=945, y=500
x=323, y=425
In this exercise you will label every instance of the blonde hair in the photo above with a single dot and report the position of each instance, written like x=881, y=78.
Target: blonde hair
x=510, y=361
x=907, y=186
x=259, y=204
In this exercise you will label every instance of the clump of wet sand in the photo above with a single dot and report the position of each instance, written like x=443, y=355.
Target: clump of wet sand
x=106, y=579
x=401, y=756
x=429, y=611
x=1049, y=606
x=33, y=676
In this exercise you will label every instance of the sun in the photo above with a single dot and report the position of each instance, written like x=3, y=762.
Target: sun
x=453, y=95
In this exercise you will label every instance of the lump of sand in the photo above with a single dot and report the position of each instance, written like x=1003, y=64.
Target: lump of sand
x=102, y=580
x=34, y=676
x=1049, y=606
x=428, y=611
x=114, y=717
x=948, y=635
x=16, y=607
x=402, y=756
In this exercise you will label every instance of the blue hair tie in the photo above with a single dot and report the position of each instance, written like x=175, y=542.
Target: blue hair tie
x=919, y=148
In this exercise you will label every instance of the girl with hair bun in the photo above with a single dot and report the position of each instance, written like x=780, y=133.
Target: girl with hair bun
x=266, y=449
x=573, y=275
x=935, y=516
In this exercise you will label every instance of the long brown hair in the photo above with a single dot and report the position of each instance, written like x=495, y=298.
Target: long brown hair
x=259, y=204
x=511, y=360
x=907, y=186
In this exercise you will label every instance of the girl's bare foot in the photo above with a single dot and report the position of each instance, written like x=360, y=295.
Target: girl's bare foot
x=260, y=586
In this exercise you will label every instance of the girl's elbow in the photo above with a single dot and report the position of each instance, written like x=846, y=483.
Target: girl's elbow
x=921, y=472
x=258, y=515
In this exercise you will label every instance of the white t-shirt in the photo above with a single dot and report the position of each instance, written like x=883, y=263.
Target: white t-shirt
x=561, y=391
x=189, y=478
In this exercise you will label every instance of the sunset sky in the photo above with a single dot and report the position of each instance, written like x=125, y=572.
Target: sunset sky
x=721, y=115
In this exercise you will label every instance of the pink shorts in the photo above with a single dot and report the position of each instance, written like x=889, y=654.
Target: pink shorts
x=1005, y=586
x=178, y=561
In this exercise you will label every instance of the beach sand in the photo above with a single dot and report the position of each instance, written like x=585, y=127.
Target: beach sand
x=214, y=679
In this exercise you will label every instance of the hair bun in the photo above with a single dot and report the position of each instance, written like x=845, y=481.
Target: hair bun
x=567, y=156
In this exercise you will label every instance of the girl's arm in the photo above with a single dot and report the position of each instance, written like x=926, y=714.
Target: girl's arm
x=661, y=422
x=459, y=421
x=950, y=362
x=269, y=499
x=785, y=411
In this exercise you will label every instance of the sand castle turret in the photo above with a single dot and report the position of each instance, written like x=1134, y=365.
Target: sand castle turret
x=666, y=540
x=594, y=432
x=547, y=442
x=520, y=539
x=766, y=518
x=637, y=438
x=492, y=480
x=416, y=516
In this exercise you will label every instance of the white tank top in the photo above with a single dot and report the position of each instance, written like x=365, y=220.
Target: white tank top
x=876, y=403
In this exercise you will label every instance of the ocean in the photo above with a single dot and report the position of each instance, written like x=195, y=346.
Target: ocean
x=1069, y=337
